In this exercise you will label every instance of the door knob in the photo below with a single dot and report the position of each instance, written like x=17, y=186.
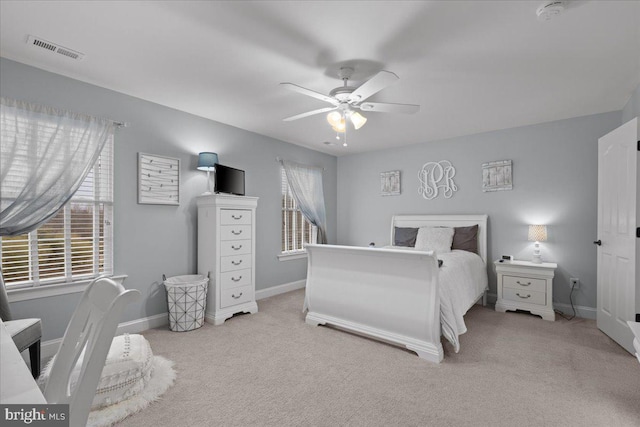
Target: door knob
x=598, y=242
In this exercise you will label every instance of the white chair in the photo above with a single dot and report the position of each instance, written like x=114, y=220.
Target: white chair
x=86, y=341
x=26, y=333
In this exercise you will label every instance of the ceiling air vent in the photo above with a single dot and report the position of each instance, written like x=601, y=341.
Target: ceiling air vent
x=56, y=48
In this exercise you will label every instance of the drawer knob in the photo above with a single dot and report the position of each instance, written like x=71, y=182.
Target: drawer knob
x=524, y=297
x=236, y=217
x=236, y=233
x=523, y=284
x=236, y=263
x=236, y=249
x=236, y=280
x=236, y=297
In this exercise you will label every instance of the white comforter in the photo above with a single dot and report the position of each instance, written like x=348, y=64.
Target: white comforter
x=463, y=279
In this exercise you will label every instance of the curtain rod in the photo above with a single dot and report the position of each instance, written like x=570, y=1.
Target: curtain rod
x=280, y=159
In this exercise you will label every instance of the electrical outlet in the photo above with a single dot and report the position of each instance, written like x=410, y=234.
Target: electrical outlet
x=574, y=283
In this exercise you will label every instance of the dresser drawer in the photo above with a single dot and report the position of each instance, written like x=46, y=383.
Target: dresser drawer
x=235, y=247
x=524, y=295
x=235, y=232
x=233, y=279
x=524, y=283
x=229, y=297
x=235, y=216
x=235, y=262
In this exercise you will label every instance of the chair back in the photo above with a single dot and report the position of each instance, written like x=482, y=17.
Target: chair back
x=5, y=312
x=87, y=338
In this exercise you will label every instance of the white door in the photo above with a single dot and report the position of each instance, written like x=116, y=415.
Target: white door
x=617, y=222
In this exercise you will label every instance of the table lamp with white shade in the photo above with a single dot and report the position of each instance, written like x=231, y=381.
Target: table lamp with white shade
x=537, y=233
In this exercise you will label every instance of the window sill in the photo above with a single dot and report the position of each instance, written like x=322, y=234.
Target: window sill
x=292, y=256
x=46, y=291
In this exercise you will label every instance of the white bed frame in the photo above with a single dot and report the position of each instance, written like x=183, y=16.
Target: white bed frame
x=384, y=293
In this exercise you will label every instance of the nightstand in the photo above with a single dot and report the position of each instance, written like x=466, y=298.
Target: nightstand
x=524, y=285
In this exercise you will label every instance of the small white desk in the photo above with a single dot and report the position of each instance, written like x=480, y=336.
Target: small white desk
x=16, y=382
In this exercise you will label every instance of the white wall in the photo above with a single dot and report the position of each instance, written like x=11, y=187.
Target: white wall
x=554, y=176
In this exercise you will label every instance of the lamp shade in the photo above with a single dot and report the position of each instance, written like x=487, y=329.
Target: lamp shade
x=334, y=118
x=207, y=161
x=537, y=233
x=358, y=120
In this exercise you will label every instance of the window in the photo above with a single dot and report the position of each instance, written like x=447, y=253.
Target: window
x=75, y=244
x=296, y=230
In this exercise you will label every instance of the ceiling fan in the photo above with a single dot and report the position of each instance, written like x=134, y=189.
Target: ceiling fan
x=345, y=100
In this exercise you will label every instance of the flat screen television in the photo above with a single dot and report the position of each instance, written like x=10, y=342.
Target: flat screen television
x=229, y=180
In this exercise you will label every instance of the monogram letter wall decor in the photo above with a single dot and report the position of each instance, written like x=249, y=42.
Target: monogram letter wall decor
x=437, y=177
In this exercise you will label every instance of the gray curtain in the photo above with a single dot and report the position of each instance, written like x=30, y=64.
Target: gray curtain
x=306, y=186
x=45, y=154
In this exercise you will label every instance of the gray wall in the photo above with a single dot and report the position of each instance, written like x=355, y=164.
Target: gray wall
x=555, y=180
x=151, y=240
x=632, y=109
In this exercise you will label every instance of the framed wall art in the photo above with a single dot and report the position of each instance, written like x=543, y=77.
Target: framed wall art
x=390, y=183
x=158, y=180
x=497, y=176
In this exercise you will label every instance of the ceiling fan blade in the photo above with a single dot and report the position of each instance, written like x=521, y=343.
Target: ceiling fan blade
x=309, y=113
x=382, y=107
x=309, y=92
x=374, y=85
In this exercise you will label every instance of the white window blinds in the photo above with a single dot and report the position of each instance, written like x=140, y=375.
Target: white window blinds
x=296, y=230
x=76, y=244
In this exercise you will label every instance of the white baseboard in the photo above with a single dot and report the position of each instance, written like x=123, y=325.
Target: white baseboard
x=581, y=311
x=280, y=289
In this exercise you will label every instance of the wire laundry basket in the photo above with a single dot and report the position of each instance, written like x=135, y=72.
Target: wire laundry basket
x=187, y=300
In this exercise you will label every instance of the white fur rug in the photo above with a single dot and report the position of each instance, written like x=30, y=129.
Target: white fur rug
x=162, y=377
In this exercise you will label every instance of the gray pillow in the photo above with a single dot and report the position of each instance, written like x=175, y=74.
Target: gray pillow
x=465, y=238
x=403, y=236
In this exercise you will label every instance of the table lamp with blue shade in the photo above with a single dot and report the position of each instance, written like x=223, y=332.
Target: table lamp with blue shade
x=207, y=162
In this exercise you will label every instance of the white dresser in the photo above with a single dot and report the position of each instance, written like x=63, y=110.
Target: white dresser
x=524, y=285
x=226, y=251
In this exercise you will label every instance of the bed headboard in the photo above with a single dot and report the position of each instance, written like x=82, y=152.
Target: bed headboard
x=414, y=221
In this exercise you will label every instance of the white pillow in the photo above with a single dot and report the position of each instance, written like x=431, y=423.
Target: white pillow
x=437, y=239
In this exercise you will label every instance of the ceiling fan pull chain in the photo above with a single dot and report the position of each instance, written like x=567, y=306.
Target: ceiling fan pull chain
x=344, y=144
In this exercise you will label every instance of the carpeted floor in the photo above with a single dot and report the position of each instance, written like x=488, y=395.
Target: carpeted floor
x=513, y=369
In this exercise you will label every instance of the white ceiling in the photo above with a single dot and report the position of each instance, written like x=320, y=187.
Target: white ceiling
x=473, y=66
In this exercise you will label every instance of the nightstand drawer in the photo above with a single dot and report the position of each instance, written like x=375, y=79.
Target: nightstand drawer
x=229, y=297
x=233, y=279
x=524, y=295
x=524, y=283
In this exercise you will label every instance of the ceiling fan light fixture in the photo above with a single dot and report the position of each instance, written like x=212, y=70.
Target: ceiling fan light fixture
x=341, y=126
x=334, y=118
x=358, y=120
